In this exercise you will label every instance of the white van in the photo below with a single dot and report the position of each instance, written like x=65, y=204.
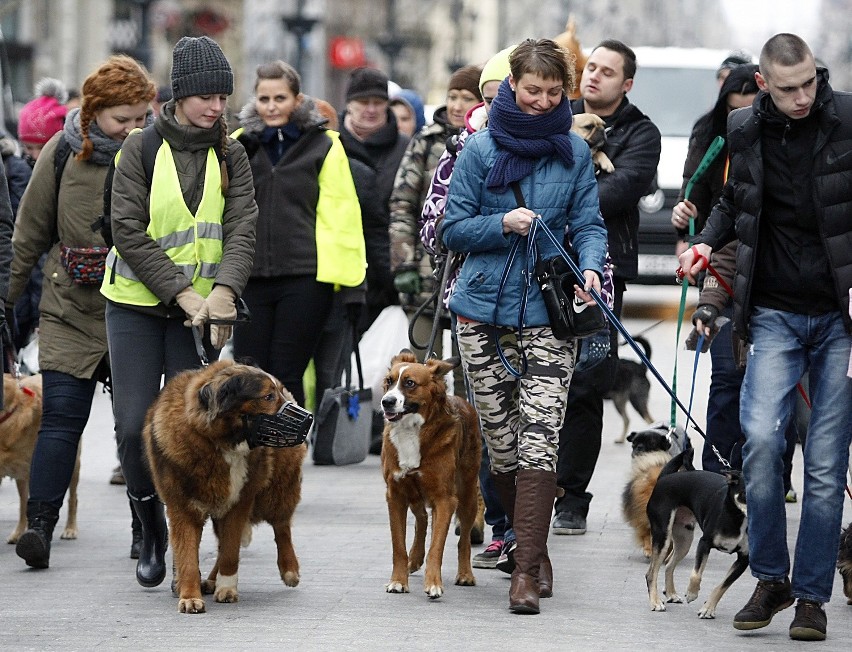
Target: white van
x=673, y=87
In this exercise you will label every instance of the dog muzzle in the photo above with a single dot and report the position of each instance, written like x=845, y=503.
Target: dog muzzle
x=286, y=428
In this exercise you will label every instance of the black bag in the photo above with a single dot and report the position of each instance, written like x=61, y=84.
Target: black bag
x=569, y=317
x=341, y=433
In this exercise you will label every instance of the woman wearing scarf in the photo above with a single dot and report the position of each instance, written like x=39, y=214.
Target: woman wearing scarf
x=73, y=341
x=529, y=142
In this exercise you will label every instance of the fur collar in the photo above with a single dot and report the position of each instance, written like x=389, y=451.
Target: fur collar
x=304, y=117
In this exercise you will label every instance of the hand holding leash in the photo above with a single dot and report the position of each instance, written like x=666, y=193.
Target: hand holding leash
x=518, y=220
x=190, y=302
x=219, y=306
x=693, y=261
x=593, y=282
x=682, y=213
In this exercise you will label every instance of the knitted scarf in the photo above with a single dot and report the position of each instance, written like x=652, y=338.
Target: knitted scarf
x=104, y=146
x=523, y=139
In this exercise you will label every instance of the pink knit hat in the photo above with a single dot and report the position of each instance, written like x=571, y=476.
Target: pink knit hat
x=42, y=117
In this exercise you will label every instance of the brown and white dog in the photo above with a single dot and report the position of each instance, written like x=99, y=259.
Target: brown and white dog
x=591, y=128
x=430, y=458
x=19, y=423
x=202, y=467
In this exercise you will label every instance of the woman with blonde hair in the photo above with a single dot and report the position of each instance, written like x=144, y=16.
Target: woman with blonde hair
x=73, y=341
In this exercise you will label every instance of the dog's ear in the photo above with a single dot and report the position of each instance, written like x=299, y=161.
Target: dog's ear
x=688, y=454
x=733, y=476
x=441, y=368
x=405, y=355
x=221, y=395
x=632, y=436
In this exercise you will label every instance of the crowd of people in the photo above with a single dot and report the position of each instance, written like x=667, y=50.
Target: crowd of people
x=318, y=220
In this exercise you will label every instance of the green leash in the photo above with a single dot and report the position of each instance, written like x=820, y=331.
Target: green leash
x=709, y=156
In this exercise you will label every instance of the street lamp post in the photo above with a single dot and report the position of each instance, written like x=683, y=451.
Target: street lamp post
x=299, y=26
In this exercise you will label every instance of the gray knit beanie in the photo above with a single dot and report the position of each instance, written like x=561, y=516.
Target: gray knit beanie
x=200, y=68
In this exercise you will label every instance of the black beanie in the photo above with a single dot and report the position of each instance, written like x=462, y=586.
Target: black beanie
x=367, y=82
x=200, y=68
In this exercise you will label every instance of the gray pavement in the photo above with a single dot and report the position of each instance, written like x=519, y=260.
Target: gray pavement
x=89, y=598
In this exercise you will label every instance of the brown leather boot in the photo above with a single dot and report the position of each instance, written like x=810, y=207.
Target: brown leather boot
x=535, y=491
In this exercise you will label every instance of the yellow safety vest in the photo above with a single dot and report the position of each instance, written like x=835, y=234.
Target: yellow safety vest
x=192, y=242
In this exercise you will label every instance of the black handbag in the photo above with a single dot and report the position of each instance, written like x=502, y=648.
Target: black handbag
x=344, y=418
x=570, y=318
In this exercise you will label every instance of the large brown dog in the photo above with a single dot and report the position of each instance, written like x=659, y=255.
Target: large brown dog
x=19, y=423
x=203, y=467
x=430, y=458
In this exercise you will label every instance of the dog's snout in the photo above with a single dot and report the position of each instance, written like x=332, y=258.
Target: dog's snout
x=388, y=401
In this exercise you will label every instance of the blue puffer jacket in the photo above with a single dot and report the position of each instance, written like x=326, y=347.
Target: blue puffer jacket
x=473, y=223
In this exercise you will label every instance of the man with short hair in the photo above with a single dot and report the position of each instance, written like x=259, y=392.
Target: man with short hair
x=789, y=201
x=633, y=146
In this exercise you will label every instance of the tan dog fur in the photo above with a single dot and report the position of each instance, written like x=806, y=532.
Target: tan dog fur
x=644, y=472
x=18, y=435
x=591, y=128
x=202, y=467
x=430, y=458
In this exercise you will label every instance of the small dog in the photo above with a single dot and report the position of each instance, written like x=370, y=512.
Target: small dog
x=19, y=425
x=844, y=562
x=631, y=384
x=202, y=467
x=652, y=450
x=430, y=458
x=717, y=502
x=591, y=128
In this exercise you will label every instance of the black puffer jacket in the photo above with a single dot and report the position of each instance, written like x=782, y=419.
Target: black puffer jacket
x=738, y=212
x=633, y=146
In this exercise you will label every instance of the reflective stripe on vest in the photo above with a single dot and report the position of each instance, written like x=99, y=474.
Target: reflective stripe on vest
x=192, y=242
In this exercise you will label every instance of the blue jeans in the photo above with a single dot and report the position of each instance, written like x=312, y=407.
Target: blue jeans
x=67, y=402
x=784, y=346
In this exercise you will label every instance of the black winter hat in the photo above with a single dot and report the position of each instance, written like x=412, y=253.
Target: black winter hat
x=200, y=68
x=367, y=82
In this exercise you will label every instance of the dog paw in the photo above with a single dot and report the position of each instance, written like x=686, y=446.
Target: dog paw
x=290, y=578
x=226, y=594
x=658, y=607
x=396, y=587
x=191, y=606
x=465, y=580
x=13, y=538
x=674, y=598
x=690, y=596
x=414, y=565
x=707, y=613
x=69, y=533
x=435, y=591
x=208, y=587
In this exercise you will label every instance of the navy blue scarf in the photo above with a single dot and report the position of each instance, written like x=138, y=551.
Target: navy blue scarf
x=523, y=139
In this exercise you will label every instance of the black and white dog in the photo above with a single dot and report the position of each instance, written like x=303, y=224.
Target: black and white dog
x=717, y=502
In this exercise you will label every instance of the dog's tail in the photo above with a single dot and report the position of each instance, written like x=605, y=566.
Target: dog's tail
x=645, y=344
x=680, y=462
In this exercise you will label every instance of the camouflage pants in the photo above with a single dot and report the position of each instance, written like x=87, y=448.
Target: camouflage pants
x=520, y=417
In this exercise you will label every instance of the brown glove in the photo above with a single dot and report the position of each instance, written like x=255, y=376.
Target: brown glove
x=220, y=304
x=190, y=302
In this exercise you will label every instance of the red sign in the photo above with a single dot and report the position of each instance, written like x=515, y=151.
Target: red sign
x=346, y=52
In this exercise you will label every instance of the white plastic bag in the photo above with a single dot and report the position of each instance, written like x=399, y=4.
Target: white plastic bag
x=386, y=337
x=28, y=357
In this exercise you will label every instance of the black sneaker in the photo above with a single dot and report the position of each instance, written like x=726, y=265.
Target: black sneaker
x=569, y=523
x=488, y=557
x=506, y=561
x=767, y=600
x=810, y=622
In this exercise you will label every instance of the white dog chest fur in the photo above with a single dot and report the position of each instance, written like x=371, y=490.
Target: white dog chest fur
x=405, y=436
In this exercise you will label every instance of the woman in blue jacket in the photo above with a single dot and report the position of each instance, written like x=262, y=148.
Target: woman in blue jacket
x=528, y=141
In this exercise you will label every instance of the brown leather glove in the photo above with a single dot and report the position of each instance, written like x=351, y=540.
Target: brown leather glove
x=220, y=304
x=190, y=302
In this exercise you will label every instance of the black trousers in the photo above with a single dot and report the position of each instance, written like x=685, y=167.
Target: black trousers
x=580, y=437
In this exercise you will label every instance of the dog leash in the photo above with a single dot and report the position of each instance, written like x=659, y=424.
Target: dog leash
x=610, y=315
x=243, y=317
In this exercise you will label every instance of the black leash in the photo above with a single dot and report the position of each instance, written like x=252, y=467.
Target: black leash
x=610, y=315
x=243, y=317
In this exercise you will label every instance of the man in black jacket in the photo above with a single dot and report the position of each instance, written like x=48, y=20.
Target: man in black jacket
x=633, y=146
x=789, y=200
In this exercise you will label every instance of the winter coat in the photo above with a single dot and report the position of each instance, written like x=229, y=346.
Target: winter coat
x=130, y=218
x=561, y=194
x=304, y=200
x=633, y=146
x=409, y=194
x=72, y=333
x=382, y=153
x=18, y=171
x=738, y=213
x=7, y=223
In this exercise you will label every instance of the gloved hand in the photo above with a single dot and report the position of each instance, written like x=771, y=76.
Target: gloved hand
x=707, y=315
x=406, y=279
x=707, y=320
x=191, y=303
x=220, y=304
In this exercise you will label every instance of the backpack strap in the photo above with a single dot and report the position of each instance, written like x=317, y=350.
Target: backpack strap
x=60, y=158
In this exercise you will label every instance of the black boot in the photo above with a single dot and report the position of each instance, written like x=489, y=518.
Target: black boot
x=151, y=567
x=34, y=545
x=136, y=528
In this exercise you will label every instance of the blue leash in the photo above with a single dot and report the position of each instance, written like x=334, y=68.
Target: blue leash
x=610, y=315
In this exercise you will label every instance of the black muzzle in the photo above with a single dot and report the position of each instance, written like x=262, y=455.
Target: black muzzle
x=286, y=428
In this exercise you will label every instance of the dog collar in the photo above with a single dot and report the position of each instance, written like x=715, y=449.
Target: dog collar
x=8, y=414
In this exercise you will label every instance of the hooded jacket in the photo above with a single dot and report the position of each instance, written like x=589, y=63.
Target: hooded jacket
x=307, y=202
x=739, y=211
x=633, y=146
x=130, y=217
